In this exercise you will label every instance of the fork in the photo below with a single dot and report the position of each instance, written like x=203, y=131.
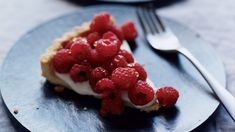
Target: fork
x=160, y=37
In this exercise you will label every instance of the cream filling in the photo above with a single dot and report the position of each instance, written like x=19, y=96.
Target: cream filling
x=84, y=88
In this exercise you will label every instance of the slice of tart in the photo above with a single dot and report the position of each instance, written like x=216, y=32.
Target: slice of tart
x=95, y=59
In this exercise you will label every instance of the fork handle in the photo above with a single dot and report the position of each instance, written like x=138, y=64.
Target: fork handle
x=226, y=98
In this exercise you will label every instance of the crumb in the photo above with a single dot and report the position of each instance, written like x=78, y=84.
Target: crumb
x=37, y=108
x=85, y=108
x=59, y=89
x=16, y=111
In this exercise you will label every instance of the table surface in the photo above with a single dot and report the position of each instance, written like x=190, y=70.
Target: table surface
x=214, y=20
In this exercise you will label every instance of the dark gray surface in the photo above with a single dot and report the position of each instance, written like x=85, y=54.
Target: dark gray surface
x=126, y=1
x=40, y=108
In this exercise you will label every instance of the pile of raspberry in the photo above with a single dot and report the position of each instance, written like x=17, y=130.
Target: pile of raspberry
x=95, y=56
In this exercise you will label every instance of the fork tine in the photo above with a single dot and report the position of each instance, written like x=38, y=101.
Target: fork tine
x=156, y=23
x=149, y=20
x=159, y=20
x=143, y=21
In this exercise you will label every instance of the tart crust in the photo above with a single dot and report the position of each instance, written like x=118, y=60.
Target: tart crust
x=46, y=58
x=48, y=69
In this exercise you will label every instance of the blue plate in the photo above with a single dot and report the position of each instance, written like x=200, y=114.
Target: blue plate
x=30, y=99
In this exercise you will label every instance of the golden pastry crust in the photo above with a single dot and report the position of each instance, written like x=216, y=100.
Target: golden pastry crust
x=46, y=58
x=48, y=69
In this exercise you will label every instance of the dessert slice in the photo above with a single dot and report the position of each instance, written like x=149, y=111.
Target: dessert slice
x=95, y=59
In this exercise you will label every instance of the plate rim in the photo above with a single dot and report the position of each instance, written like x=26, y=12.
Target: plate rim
x=194, y=126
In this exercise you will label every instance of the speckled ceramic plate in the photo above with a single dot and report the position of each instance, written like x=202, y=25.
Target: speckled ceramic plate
x=25, y=91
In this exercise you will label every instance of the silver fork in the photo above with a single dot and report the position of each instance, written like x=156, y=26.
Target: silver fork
x=162, y=38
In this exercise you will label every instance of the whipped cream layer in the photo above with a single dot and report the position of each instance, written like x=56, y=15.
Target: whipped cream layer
x=84, y=88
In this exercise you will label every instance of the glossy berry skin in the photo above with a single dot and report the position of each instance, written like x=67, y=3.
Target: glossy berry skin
x=92, y=37
x=63, y=61
x=80, y=49
x=129, y=31
x=104, y=84
x=141, y=93
x=111, y=103
x=118, y=61
x=106, y=48
x=95, y=59
x=167, y=96
x=140, y=69
x=112, y=37
x=101, y=23
x=97, y=74
x=124, y=78
x=67, y=44
x=80, y=73
x=118, y=32
x=127, y=55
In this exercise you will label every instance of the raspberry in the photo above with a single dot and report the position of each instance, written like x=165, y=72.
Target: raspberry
x=111, y=103
x=129, y=31
x=63, y=61
x=109, y=35
x=104, y=84
x=140, y=69
x=79, y=73
x=92, y=37
x=106, y=48
x=127, y=55
x=124, y=78
x=80, y=49
x=97, y=74
x=141, y=94
x=118, y=32
x=167, y=96
x=119, y=61
x=112, y=37
x=67, y=44
x=101, y=22
x=85, y=34
x=95, y=59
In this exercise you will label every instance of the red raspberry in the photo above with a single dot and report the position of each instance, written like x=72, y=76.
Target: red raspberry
x=79, y=73
x=106, y=48
x=111, y=103
x=129, y=31
x=97, y=74
x=110, y=35
x=80, y=49
x=101, y=22
x=124, y=78
x=104, y=84
x=92, y=37
x=167, y=96
x=127, y=55
x=63, y=61
x=85, y=34
x=118, y=61
x=118, y=32
x=95, y=59
x=141, y=94
x=67, y=44
x=140, y=69
x=113, y=37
